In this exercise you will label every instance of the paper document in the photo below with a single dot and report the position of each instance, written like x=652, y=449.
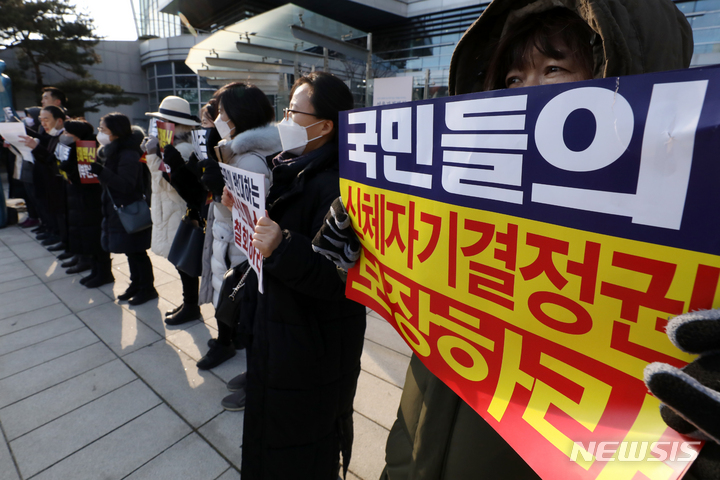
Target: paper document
x=11, y=132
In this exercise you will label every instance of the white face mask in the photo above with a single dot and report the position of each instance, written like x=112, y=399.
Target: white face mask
x=54, y=132
x=29, y=121
x=294, y=137
x=103, y=138
x=223, y=128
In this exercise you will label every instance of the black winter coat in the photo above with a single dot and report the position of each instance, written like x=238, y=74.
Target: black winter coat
x=124, y=177
x=304, y=359
x=84, y=210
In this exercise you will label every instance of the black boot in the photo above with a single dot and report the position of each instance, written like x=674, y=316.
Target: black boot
x=65, y=256
x=99, y=280
x=70, y=263
x=129, y=293
x=83, y=265
x=187, y=313
x=143, y=295
x=172, y=312
x=215, y=356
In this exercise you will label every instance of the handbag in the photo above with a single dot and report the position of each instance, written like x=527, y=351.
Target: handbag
x=134, y=217
x=187, y=247
x=228, y=307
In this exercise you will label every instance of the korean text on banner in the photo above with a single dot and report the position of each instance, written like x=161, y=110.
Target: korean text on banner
x=248, y=191
x=86, y=154
x=166, y=134
x=530, y=244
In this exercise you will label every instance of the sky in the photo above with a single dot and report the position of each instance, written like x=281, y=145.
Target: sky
x=113, y=19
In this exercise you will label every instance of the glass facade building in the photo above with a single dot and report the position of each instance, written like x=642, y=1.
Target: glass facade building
x=150, y=22
x=175, y=78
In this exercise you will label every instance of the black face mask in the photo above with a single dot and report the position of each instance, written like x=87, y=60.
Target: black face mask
x=212, y=138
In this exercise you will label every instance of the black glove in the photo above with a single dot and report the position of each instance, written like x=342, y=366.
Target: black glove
x=691, y=396
x=336, y=240
x=212, y=177
x=192, y=165
x=96, y=168
x=212, y=138
x=173, y=158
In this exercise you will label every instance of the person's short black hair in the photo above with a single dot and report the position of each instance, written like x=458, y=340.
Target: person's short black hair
x=118, y=124
x=80, y=128
x=544, y=31
x=329, y=96
x=246, y=106
x=211, y=107
x=56, y=112
x=56, y=93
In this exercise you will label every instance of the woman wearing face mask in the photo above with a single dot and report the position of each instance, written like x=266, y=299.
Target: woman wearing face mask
x=84, y=209
x=248, y=135
x=304, y=359
x=122, y=179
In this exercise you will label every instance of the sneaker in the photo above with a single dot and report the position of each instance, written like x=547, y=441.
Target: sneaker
x=172, y=312
x=184, y=315
x=216, y=356
x=144, y=295
x=234, y=402
x=30, y=222
x=129, y=293
x=237, y=383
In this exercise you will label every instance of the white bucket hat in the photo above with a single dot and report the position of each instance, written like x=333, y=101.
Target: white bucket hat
x=177, y=110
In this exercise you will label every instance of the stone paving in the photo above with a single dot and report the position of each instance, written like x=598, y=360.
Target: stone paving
x=91, y=388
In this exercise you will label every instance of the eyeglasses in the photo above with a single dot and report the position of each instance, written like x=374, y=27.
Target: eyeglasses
x=287, y=112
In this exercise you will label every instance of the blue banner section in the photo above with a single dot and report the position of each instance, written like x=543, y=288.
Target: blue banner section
x=635, y=157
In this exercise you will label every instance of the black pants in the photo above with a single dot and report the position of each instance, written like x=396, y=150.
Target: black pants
x=101, y=264
x=30, y=201
x=190, y=285
x=141, y=270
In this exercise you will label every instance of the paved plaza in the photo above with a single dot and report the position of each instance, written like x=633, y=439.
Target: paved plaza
x=93, y=388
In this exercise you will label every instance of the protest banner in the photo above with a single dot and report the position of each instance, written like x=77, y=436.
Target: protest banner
x=248, y=191
x=530, y=244
x=199, y=144
x=86, y=154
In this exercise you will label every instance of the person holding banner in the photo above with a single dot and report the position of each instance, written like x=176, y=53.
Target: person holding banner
x=245, y=123
x=123, y=182
x=168, y=205
x=85, y=208
x=307, y=337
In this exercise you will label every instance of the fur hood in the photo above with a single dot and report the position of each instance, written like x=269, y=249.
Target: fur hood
x=635, y=36
x=261, y=139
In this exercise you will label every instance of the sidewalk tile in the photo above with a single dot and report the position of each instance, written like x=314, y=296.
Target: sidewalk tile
x=381, y=332
x=172, y=292
x=29, y=250
x=7, y=466
x=42, y=352
x=119, y=453
x=39, y=333
x=47, y=268
x=190, y=458
x=46, y=375
x=26, y=300
x=43, y=407
x=60, y=438
x=193, y=339
x=351, y=476
x=162, y=263
x=19, y=284
x=13, y=272
x=384, y=363
x=174, y=376
x=231, y=474
x=9, y=259
x=377, y=399
x=30, y=319
x=368, y=454
x=153, y=315
x=225, y=433
x=118, y=328
x=75, y=295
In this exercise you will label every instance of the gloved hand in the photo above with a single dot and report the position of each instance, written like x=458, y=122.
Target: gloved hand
x=173, y=158
x=150, y=145
x=691, y=396
x=212, y=177
x=192, y=165
x=336, y=240
x=96, y=168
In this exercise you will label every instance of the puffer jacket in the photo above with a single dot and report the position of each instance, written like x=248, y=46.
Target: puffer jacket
x=167, y=206
x=247, y=151
x=437, y=436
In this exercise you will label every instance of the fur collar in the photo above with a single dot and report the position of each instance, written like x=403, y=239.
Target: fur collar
x=263, y=139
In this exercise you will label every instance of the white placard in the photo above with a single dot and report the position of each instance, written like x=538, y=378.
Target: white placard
x=392, y=90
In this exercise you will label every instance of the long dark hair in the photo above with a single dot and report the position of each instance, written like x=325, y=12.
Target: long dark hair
x=246, y=106
x=544, y=31
x=329, y=96
x=118, y=124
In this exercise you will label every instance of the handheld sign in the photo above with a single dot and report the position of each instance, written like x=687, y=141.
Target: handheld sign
x=530, y=244
x=86, y=155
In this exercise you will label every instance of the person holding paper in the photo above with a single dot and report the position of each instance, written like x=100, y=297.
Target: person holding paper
x=307, y=337
x=245, y=123
x=123, y=181
x=168, y=206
